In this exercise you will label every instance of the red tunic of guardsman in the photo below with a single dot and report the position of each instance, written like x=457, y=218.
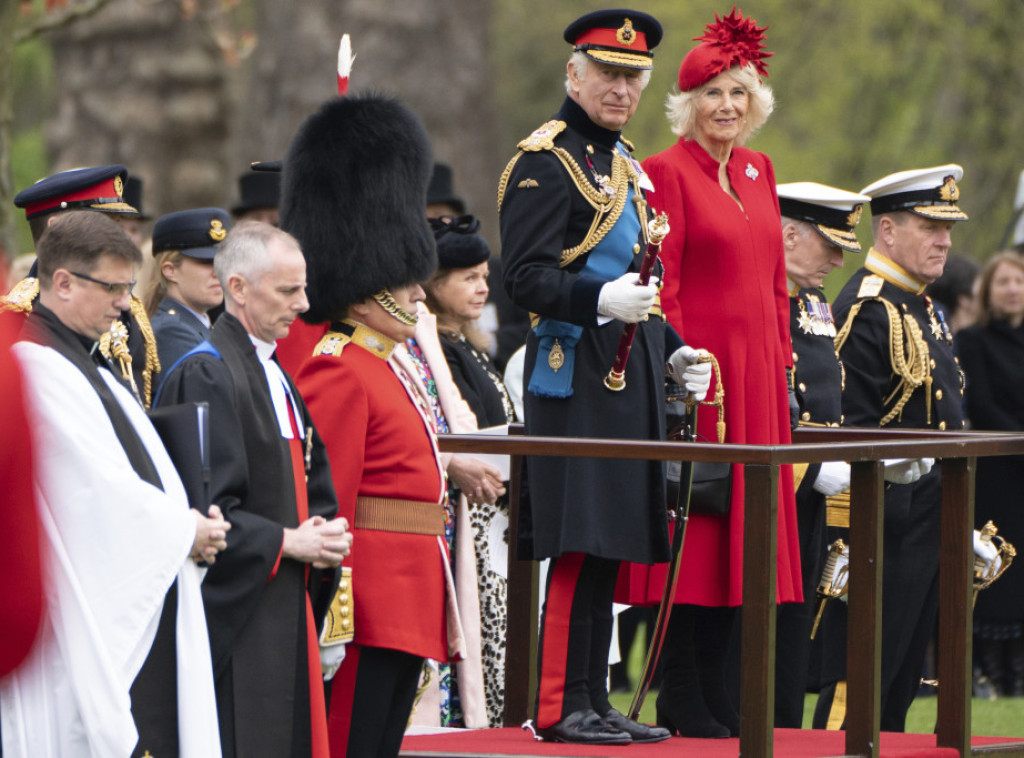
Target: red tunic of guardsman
x=370, y=156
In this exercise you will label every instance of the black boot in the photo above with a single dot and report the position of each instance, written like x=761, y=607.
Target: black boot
x=680, y=705
x=713, y=630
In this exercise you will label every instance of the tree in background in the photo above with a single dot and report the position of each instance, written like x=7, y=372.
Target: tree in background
x=168, y=88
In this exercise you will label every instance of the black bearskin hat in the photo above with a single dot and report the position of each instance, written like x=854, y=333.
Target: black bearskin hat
x=353, y=193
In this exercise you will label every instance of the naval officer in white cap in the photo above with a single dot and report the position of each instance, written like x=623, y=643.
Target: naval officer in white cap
x=901, y=373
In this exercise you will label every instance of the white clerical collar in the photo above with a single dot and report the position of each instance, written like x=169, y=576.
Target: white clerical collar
x=280, y=394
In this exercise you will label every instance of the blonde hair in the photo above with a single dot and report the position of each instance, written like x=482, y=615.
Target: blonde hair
x=155, y=288
x=681, y=107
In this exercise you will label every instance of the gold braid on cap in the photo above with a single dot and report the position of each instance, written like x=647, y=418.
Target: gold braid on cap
x=908, y=355
x=386, y=301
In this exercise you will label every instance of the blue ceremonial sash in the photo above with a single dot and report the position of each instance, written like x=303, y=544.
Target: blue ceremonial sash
x=608, y=260
x=203, y=347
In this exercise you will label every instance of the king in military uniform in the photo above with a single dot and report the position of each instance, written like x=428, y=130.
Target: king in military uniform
x=574, y=227
x=901, y=373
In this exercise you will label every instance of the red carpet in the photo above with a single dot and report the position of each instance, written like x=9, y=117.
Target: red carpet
x=789, y=743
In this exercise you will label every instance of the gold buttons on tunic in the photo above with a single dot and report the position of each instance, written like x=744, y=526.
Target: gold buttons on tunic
x=932, y=363
x=803, y=387
x=795, y=357
x=806, y=415
x=636, y=248
x=942, y=426
x=938, y=394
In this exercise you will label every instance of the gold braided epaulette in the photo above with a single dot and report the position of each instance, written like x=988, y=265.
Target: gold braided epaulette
x=21, y=296
x=628, y=143
x=543, y=137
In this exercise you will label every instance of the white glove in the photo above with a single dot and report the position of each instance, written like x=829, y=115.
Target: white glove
x=625, y=299
x=988, y=552
x=331, y=657
x=833, y=478
x=685, y=369
x=906, y=470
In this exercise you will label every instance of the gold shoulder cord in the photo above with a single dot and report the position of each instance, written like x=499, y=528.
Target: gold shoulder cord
x=608, y=207
x=908, y=356
x=152, y=365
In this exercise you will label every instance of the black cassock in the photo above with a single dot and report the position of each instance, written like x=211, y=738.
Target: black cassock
x=256, y=615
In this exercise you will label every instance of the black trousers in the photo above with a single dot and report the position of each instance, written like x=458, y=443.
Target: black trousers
x=910, y=592
x=371, y=699
x=576, y=633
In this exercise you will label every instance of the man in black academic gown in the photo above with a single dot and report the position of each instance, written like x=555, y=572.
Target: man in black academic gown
x=271, y=477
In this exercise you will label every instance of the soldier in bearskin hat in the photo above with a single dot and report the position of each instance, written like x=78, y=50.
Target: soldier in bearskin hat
x=354, y=188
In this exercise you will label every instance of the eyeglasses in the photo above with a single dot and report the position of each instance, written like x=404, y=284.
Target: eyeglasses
x=114, y=288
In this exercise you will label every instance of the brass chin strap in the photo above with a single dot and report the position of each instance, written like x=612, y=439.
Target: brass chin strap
x=387, y=302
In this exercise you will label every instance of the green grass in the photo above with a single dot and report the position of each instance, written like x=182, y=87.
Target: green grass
x=989, y=718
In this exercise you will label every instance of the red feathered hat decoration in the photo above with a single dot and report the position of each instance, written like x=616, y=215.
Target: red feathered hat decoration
x=731, y=41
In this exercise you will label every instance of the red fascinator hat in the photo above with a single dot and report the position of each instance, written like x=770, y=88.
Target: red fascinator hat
x=731, y=41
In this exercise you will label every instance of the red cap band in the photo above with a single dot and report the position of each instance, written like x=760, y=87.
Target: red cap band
x=107, y=190
x=609, y=38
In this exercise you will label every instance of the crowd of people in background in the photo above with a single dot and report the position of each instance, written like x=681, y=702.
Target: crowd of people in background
x=307, y=574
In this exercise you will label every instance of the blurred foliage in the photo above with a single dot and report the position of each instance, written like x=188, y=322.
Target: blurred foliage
x=862, y=90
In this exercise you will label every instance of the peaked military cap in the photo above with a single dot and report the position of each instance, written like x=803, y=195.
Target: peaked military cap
x=929, y=192
x=195, y=233
x=100, y=188
x=616, y=37
x=834, y=213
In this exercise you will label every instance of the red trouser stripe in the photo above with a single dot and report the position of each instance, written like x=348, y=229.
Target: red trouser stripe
x=317, y=709
x=565, y=574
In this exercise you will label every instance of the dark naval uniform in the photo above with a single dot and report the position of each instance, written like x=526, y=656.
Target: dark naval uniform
x=882, y=314
x=177, y=331
x=567, y=189
x=818, y=378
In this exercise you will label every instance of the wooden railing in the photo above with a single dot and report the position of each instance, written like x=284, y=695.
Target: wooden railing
x=865, y=449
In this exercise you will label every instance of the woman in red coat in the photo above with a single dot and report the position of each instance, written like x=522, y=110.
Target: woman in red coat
x=724, y=289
